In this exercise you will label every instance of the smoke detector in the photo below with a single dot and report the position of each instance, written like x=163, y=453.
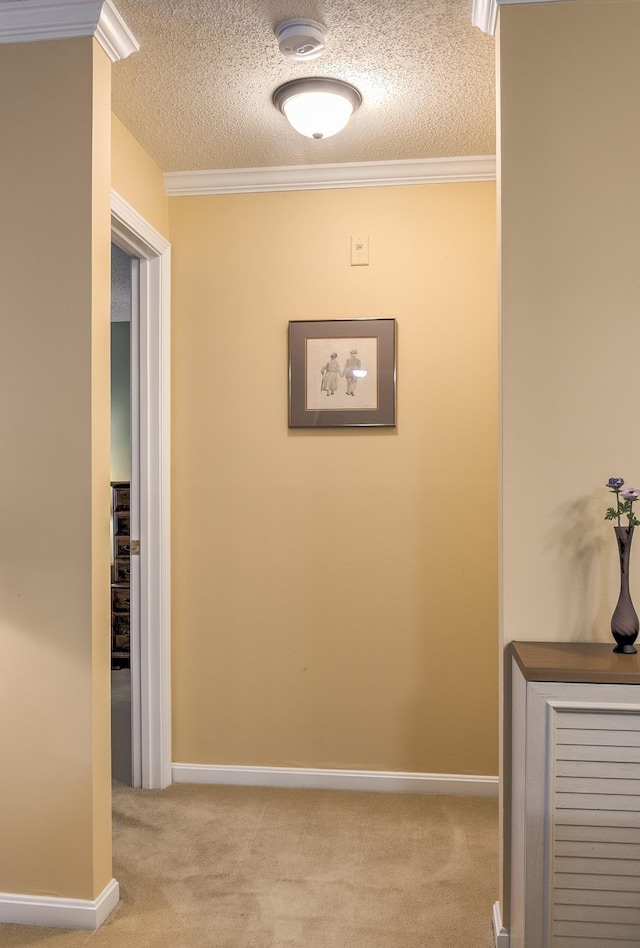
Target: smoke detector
x=301, y=38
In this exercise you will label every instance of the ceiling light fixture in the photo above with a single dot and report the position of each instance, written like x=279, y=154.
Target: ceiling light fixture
x=315, y=107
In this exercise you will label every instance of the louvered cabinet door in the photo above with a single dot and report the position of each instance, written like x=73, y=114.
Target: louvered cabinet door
x=577, y=833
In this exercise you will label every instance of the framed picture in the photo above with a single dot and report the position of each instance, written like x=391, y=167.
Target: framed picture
x=342, y=373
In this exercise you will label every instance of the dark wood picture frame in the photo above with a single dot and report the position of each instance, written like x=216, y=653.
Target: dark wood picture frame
x=342, y=373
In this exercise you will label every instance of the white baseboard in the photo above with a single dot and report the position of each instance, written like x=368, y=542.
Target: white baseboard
x=52, y=912
x=500, y=934
x=318, y=778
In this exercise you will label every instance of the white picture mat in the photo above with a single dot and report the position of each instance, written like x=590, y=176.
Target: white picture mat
x=318, y=353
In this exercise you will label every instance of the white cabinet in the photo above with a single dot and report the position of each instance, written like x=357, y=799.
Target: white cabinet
x=575, y=799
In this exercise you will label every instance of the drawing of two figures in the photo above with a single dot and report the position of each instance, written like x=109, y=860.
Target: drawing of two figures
x=331, y=372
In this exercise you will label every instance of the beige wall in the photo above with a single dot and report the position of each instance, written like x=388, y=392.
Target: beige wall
x=570, y=284
x=570, y=287
x=55, y=817
x=137, y=178
x=334, y=592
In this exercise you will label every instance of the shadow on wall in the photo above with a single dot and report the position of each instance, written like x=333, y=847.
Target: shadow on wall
x=583, y=545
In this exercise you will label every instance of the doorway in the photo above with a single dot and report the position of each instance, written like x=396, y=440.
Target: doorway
x=123, y=606
x=150, y=644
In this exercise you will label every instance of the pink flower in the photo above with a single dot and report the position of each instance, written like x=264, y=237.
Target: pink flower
x=630, y=493
x=625, y=499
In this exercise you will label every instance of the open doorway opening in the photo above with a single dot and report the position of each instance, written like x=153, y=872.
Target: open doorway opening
x=150, y=498
x=122, y=764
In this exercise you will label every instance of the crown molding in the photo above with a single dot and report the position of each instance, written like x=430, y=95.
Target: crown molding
x=27, y=21
x=114, y=35
x=367, y=174
x=484, y=13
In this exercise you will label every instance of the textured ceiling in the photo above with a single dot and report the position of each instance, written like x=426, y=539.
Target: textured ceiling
x=198, y=94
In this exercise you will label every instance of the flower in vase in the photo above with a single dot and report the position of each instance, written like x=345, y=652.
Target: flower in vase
x=624, y=506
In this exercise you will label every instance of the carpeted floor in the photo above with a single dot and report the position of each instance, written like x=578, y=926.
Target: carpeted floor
x=245, y=867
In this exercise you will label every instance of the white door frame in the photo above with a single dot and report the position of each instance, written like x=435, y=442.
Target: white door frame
x=151, y=689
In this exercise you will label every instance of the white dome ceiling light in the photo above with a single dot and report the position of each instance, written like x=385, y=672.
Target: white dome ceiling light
x=301, y=39
x=316, y=107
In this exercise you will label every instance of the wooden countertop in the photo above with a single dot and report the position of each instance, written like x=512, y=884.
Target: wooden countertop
x=592, y=662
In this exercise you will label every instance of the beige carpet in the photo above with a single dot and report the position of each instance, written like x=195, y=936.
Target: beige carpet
x=242, y=867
